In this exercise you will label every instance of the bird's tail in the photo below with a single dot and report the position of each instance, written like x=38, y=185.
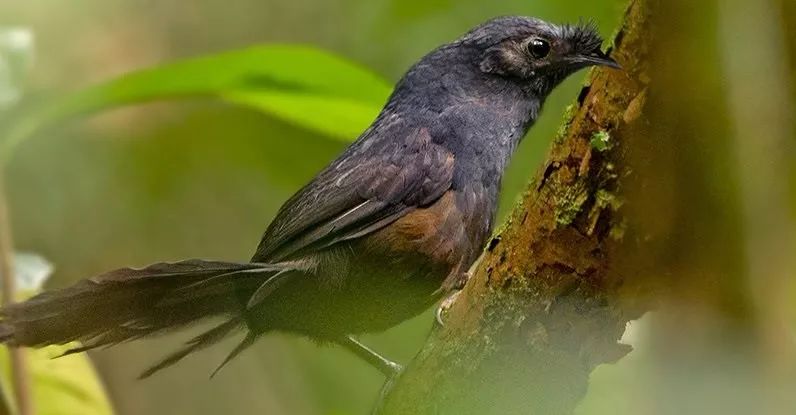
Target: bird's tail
x=128, y=304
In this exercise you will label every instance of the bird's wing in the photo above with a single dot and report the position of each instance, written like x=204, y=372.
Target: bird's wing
x=372, y=184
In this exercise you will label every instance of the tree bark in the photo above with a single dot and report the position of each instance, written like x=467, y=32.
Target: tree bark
x=551, y=297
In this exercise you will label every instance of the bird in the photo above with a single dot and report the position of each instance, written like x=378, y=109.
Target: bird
x=381, y=234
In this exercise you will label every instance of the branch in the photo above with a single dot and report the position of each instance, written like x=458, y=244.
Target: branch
x=20, y=378
x=548, y=302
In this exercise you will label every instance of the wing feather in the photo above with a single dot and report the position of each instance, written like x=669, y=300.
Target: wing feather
x=375, y=182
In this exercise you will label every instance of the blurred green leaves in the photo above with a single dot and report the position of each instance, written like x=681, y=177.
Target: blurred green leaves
x=336, y=117
x=16, y=51
x=31, y=271
x=305, y=86
x=64, y=385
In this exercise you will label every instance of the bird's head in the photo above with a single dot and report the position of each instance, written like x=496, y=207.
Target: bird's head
x=506, y=67
x=533, y=52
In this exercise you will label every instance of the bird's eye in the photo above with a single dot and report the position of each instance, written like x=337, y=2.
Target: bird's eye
x=539, y=48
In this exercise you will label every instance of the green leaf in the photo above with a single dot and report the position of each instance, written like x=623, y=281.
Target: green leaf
x=67, y=385
x=337, y=117
x=289, y=82
x=63, y=385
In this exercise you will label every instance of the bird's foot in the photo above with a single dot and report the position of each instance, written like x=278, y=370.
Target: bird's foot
x=443, y=308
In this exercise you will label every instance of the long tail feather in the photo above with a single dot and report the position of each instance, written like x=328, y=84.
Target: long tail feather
x=200, y=342
x=129, y=304
x=249, y=340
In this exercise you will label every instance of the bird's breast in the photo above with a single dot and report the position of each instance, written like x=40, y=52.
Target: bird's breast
x=439, y=241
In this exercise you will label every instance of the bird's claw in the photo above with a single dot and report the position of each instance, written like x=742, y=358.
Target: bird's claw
x=443, y=308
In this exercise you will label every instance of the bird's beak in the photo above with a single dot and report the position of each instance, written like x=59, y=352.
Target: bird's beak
x=598, y=58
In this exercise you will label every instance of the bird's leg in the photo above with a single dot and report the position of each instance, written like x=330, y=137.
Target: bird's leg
x=387, y=367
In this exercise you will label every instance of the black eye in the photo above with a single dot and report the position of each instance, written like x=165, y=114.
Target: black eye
x=539, y=48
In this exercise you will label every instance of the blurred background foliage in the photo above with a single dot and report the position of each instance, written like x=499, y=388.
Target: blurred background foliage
x=203, y=175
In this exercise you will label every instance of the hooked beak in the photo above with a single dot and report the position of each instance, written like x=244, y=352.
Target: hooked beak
x=598, y=58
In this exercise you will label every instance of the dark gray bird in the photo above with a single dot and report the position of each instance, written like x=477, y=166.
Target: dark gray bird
x=377, y=237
